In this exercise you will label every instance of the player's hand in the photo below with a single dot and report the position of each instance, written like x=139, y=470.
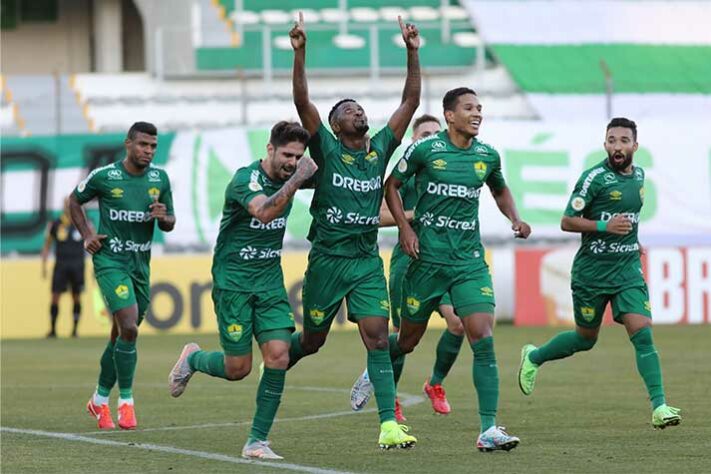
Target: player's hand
x=409, y=242
x=298, y=33
x=93, y=243
x=619, y=225
x=410, y=34
x=305, y=168
x=521, y=229
x=158, y=210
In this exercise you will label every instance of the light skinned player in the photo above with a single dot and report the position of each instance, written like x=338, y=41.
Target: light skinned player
x=248, y=283
x=344, y=262
x=604, y=208
x=133, y=196
x=451, y=340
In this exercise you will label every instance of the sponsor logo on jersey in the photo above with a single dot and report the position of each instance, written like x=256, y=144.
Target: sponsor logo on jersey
x=347, y=159
x=427, y=219
x=251, y=253
x=438, y=145
x=413, y=304
x=291, y=315
x=638, y=174
x=641, y=194
x=600, y=246
x=486, y=291
x=633, y=217
x=154, y=193
x=334, y=215
x=235, y=331
x=587, y=313
x=117, y=193
x=647, y=306
x=480, y=169
x=114, y=175
x=589, y=179
x=402, y=165
x=372, y=157
x=154, y=176
x=444, y=222
x=317, y=315
x=254, y=185
x=609, y=178
x=358, y=185
x=276, y=224
x=481, y=150
x=439, y=165
x=615, y=195
x=577, y=203
x=122, y=292
x=385, y=305
x=117, y=245
x=129, y=216
x=452, y=190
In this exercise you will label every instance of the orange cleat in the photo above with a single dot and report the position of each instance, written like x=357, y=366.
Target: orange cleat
x=126, y=417
x=102, y=414
x=437, y=397
x=399, y=417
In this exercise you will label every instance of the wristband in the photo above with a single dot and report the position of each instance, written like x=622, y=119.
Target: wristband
x=601, y=226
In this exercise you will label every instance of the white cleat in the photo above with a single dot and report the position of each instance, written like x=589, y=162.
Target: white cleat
x=361, y=391
x=259, y=450
x=181, y=373
x=496, y=438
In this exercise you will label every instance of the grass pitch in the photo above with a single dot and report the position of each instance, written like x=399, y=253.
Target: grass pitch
x=588, y=413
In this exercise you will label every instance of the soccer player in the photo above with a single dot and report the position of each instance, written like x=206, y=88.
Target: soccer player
x=68, y=266
x=451, y=340
x=450, y=168
x=344, y=260
x=604, y=208
x=133, y=196
x=248, y=292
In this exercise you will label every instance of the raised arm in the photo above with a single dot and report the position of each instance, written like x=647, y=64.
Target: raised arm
x=308, y=113
x=408, y=239
x=400, y=120
x=92, y=241
x=505, y=202
x=266, y=209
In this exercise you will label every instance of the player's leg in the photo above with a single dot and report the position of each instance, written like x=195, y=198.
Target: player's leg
x=589, y=308
x=59, y=286
x=98, y=405
x=125, y=360
x=631, y=308
x=53, y=314
x=77, y=285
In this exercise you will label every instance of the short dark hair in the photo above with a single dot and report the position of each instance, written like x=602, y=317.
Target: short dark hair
x=335, y=108
x=141, y=127
x=449, y=102
x=625, y=123
x=424, y=118
x=286, y=132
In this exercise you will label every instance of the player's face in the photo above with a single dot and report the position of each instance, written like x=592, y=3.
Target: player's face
x=620, y=146
x=283, y=159
x=351, y=119
x=141, y=149
x=466, y=117
x=425, y=129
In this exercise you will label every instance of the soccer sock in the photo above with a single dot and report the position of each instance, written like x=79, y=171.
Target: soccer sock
x=107, y=375
x=210, y=363
x=397, y=358
x=53, y=312
x=296, y=352
x=648, y=365
x=76, y=311
x=486, y=381
x=563, y=344
x=380, y=371
x=268, y=399
x=447, y=352
x=125, y=358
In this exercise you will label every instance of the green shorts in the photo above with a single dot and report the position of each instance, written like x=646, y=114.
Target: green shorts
x=241, y=315
x=330, y=279
x=122, y=289
x=469, y=287
x=589, y=304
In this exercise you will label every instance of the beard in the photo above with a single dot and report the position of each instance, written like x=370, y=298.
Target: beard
x=362, y=128
x=619, y=166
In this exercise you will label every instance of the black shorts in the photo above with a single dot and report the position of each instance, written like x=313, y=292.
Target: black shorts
x=68, y=274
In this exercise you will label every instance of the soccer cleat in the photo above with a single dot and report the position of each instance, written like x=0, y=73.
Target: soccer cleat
x=126, y=417
x=664, y=416
x=393, y=435
x=438, y=398
x=259, y=450
x=495, y=439
x=181, y=373
x=399, y=417
x=361, y=391
x=102, y=413
x=527, y=370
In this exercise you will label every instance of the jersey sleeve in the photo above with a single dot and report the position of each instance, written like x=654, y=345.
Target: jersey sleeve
x=89, y=188
x=583, y=194
x=411, y=161
x=496, y=180
x=244, y=187
x=321, y=144
x=166, y=197
x=386, y=141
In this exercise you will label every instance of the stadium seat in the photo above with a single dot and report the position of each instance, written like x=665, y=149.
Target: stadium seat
x=333, y=15
x=245, y=17
x=424, y=14
x=392, y=13
x=364, y=15
x=349, y=41
x=310, y=16
x=275, y=17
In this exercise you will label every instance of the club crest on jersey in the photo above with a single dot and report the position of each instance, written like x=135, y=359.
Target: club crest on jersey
x=439, y=165
x=372, y=157
x=577, y=203
x=587, y=313
x=481, y=150
x=154, y=176
x=114, y=174
x=402, y=166
x=480, y=169
x=235, y=331
x=413, y=304
x=317, y=316
x=122, y=292
x=615, y=195
x=154, y=193
x=347, y=159
x=117, y=193
x=439, y=145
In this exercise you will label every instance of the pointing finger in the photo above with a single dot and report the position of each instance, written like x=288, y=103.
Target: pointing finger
x=301, y=18
x=402, y=25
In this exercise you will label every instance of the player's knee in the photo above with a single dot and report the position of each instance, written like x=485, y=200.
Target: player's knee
x=277, y=359
x=379, y=343
x=311, y=346
x=407, y=345
x=456, y=327
x=129, y=332
x=586, y=343
x=237, y=372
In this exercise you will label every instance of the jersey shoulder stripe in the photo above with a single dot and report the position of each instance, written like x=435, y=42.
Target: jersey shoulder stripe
x=96, y=171
x=419, y=142
x=590, y=176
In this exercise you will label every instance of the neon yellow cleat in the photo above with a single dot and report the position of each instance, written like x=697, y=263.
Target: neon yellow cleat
x=393, y=435
x=527, y=370
x=664, y=416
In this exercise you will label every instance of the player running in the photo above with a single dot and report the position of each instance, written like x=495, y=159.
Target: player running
x=248, y=292
x=450, y=169
x=344, y=260
x=604, y=208
x=133, y=195
x=451, y=340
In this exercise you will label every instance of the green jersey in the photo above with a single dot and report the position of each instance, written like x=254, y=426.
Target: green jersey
x=248, y=252
x=349, y=189
x=448, y=182
x=408, y=194
x=124, y=214
x=607, y=260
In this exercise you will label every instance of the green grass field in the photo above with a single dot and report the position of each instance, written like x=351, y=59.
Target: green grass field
x=588, y=414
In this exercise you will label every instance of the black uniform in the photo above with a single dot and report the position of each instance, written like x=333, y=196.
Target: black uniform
x=69, y=254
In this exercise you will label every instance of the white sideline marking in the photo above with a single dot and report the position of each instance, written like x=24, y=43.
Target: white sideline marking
x=173, y=450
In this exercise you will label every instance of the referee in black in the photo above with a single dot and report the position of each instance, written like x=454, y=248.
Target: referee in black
x=68, y=266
